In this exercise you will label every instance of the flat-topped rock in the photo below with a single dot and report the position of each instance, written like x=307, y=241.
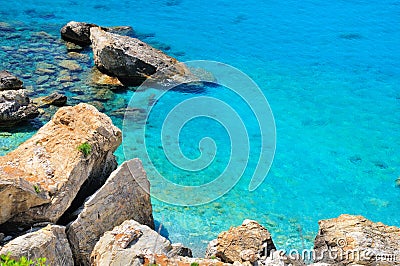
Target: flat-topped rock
x=66, y=160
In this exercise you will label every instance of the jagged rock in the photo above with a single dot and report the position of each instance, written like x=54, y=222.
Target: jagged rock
x=77, y=32
x=52, y=163
x=249, y=236
x=126, y=243
x=132, y=60
x=351, y=239
x=124, y=196
x=56, y=99
x=15, y=106
x=49, y=242
x=9, y=81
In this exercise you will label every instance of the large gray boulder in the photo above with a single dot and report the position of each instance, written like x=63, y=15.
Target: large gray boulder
x=9, y=81
x=50, y=242
x=124, y=196
x=351, y=239
x=65, y=160
x=133, y=61
x=15, y=107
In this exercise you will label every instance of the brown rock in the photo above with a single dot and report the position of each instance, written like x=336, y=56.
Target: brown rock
x=124, y=196
x=239, y=242
x=56, y=99
x=352, y=239
x=99, y=78
x=52, y=161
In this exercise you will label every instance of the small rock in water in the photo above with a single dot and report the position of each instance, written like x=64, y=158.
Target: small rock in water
x=42, y=79
x=56, y=99
x=70, y=65
x=398, y=182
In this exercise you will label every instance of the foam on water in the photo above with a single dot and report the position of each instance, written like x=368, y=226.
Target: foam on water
x=329, y=69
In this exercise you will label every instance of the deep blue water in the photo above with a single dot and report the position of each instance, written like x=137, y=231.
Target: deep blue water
x=329, y=69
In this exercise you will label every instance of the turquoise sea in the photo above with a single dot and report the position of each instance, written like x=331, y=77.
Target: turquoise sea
x=329, y=69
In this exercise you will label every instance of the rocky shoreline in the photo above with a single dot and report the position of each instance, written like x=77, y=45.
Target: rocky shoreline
x=63, y=197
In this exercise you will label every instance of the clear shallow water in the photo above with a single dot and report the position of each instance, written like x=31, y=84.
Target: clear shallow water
x=329, y=69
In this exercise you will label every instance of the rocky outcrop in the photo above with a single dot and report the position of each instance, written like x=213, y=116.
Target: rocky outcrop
x=132, y=60
x=124, y=196
x=66, y=160
x=127, y=244
x=15, y=107
x=247, y=242
x=9, y=81
x=352, y=239
x=49, y=242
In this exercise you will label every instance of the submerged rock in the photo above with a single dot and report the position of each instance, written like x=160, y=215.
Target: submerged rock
x=127, y=243
x=98, y=78
x=242, y=243
x=132, y=60
x=71, y=65
x=54, y=162
x=56, y=99
x=124, y=196
x=352, y=239
x=49, y=242
x=9, y=81
x=15, y=106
